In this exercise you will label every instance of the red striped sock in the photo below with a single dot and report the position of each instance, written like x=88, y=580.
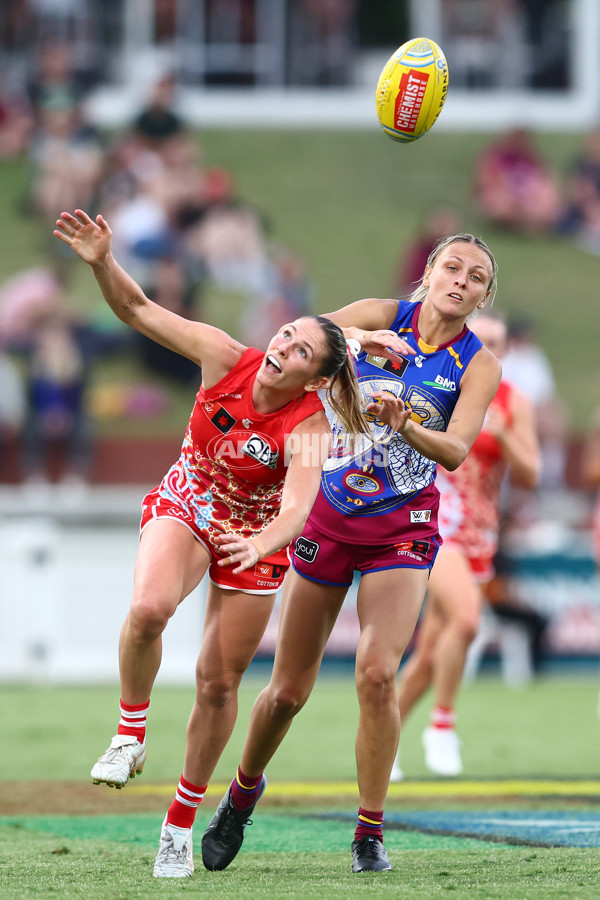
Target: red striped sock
x=133, y=720
x=244, y=790
x=369, y=823
x=182, y=810
x=443, y=717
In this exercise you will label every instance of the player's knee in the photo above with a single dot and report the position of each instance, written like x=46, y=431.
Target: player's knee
x=148, y=617
x=467, y=627
x=376, y=679
x=217, y=691
x=285, y=702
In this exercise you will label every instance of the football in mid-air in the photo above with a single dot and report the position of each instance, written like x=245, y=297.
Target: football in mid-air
x=412, y=89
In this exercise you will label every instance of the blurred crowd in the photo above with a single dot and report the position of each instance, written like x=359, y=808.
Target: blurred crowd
x=180, y=227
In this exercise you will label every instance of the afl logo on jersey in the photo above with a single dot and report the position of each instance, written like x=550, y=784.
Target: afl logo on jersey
x=361, y=483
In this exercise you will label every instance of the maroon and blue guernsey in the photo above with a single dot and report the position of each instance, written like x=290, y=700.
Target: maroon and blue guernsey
x=365, y=482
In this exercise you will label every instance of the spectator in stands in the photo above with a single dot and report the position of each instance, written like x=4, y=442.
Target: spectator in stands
x=158, y=121
x=286, y=298
x=57, y=419
x=55, y=82
x=170, y=287
x=67, y=157
x=16, y=122
x=514, y=186
x=12, y=401
x=229, y=239
x=591, y=474
x=581, y=216
x=527, y=366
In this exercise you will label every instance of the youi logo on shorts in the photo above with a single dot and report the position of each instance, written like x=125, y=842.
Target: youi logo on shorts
x=306, y=550
x=258, y=448
x=442, y=384
x=420, y=516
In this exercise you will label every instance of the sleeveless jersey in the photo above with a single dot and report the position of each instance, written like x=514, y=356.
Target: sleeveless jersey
x=366, y=483
x=470, y=496
x=232, y=465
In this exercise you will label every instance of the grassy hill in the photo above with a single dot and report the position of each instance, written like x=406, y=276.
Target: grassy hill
x=348, y=202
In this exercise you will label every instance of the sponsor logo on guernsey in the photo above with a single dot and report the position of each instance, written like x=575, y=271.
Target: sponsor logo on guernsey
x=306, y=550
x=259, y=449
x=222, y=420
x=267, y=570
x=412, y=547
x=442, y=384
x=410, y=99
x=420, y=516
x=397, y=366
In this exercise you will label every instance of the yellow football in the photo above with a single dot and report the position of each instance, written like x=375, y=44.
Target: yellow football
x=412, y=89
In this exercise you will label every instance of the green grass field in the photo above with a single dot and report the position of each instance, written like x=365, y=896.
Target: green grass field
x=348, y=202
x=521, y=824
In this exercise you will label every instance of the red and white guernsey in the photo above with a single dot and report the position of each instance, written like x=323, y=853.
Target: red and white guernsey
x=229, y=476
x=470, y=495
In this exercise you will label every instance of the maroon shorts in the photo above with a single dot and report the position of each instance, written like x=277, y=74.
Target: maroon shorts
x=328, y=560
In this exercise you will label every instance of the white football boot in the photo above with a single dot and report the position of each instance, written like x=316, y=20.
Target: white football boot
x=442, y=751
x=175, y=857
x=124, y=759
x=396, y=774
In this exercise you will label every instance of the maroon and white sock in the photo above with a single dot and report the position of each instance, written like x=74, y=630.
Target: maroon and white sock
x=133, y=720
x=182, y=810
x=443, y=717
x=244, y=790
x=369, y=824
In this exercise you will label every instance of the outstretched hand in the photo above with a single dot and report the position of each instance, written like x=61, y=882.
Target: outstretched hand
x=239, y=550
x=88, y=239
x=390, y=410
x=385, y=343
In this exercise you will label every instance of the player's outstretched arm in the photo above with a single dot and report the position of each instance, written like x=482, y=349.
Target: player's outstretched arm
x=368, y=322
x=91, y=240
x=478, y=388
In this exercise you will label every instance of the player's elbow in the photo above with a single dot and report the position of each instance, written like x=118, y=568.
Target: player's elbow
x=527, y=477
x=454, y=456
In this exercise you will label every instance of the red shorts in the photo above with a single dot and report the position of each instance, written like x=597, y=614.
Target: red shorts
x=265, y=577
x=328, y=560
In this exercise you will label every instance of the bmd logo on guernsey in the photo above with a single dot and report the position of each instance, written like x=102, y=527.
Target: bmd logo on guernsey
x=442, y=384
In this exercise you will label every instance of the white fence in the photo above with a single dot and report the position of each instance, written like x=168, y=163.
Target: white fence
x=66, y=577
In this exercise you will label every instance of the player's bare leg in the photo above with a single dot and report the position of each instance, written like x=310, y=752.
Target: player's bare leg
x=234, y=624
x=388, y=608
x=170, y=564
x=458, y=598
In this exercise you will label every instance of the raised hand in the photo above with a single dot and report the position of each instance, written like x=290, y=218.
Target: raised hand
x=385, y=343
x=90, y=240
